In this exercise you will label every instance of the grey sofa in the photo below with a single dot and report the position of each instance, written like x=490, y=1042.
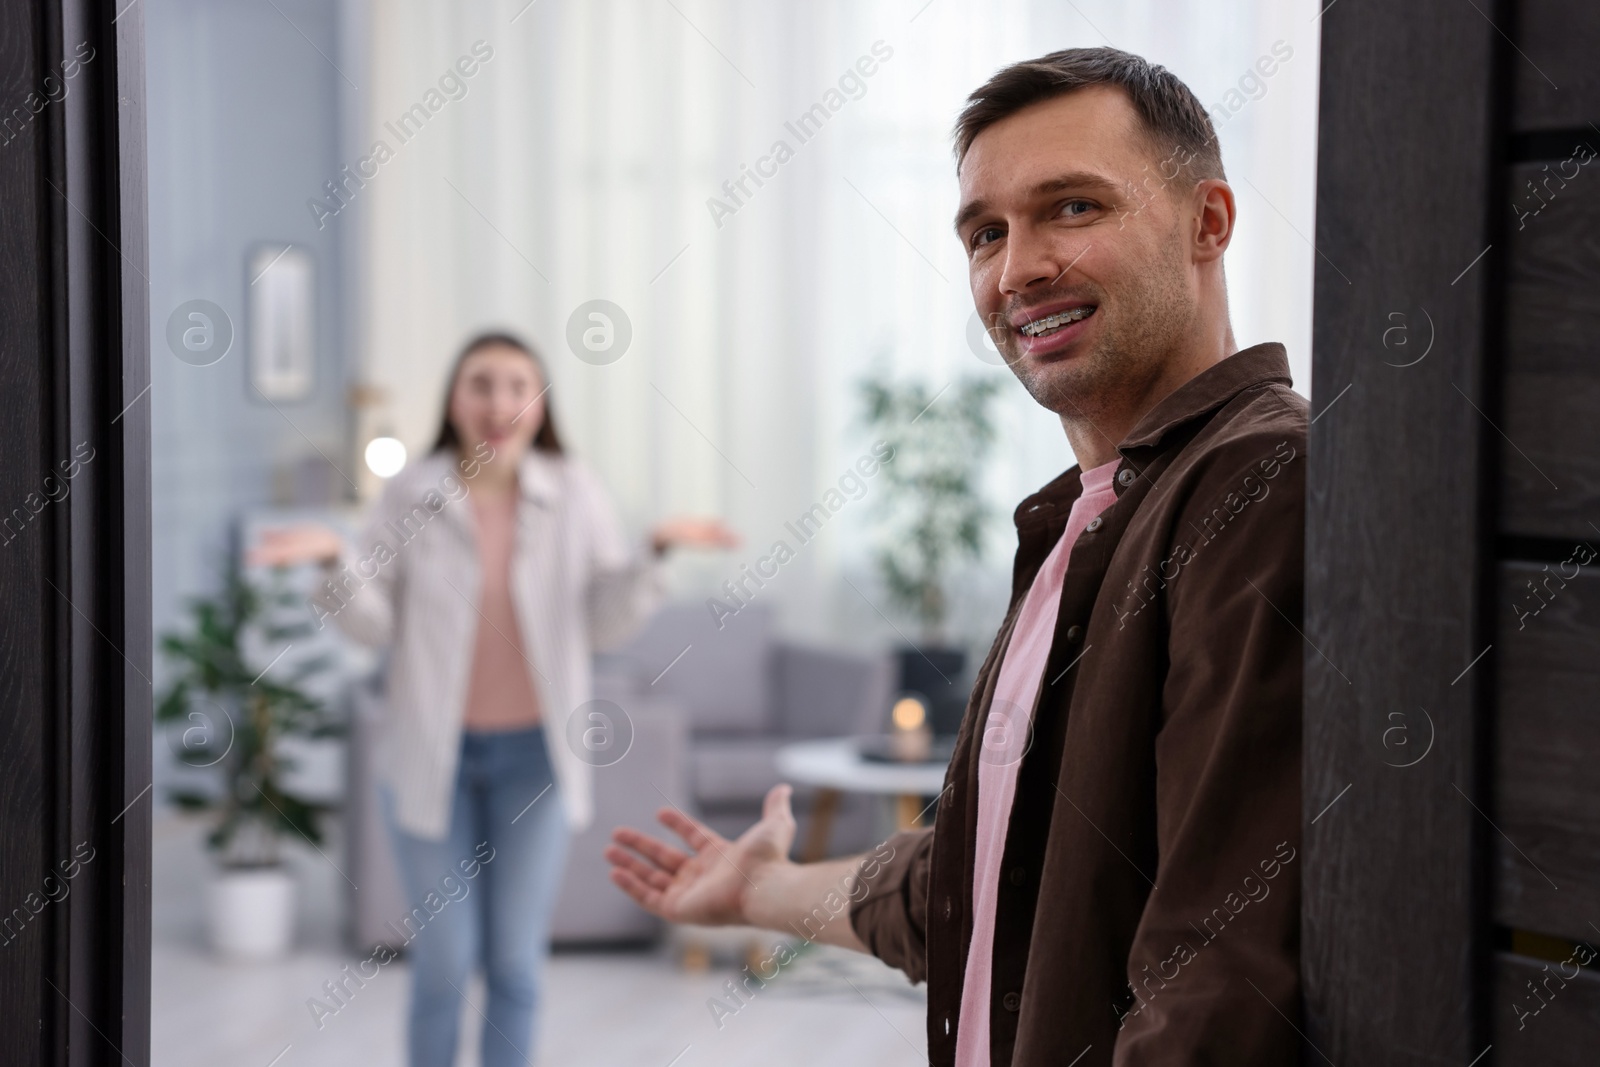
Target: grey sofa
x=748, y=693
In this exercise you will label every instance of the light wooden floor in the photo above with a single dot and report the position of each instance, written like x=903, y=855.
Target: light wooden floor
x=636, y=1008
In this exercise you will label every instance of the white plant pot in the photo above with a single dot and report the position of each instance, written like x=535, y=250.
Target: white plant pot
x=250, y=913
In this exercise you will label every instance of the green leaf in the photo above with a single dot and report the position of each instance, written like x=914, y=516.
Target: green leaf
x=210, y=665
x=930, y=512
x=175, y=703
x=191, y=801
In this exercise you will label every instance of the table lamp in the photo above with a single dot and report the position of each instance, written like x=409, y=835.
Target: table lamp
x=910, y=736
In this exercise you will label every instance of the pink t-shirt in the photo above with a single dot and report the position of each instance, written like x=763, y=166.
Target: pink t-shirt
x=500, y=693
x=1004, y=741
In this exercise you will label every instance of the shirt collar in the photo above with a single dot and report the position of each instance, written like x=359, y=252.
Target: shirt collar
x=1207, y=391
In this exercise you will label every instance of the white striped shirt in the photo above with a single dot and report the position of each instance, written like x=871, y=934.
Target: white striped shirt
x=412, y=582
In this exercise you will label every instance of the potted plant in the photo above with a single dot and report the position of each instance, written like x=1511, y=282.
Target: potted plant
x=931, y=517
x=233, y=717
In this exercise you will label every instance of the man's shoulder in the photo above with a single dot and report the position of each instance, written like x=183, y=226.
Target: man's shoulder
x=1263, y=427
x=1268, y=411
x=1246, y=466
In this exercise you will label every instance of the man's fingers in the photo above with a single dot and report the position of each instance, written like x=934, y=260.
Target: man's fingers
x=777, y=802
x=660, y=853
x=654, y=877
x=694, y=834
x=647, y=898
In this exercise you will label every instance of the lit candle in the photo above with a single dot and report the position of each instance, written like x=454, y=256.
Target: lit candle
x=911, y=740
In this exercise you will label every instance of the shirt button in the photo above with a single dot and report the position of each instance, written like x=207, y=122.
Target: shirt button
x=1074, y=634
x=1126, y=476
x=1011, y=1002
x=1094, y=524
x=947, y=907
x=1018, y=876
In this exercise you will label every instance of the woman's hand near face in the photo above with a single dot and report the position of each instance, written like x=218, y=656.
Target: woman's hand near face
x=289, y=545
x=692, y=531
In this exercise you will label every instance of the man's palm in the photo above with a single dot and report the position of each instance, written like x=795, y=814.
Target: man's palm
x=709, y=883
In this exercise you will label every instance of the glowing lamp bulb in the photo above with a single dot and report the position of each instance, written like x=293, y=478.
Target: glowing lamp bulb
x=385, y=456
x=908, y=713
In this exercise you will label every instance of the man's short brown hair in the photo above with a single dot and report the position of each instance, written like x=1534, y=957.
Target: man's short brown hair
x=1174, y=120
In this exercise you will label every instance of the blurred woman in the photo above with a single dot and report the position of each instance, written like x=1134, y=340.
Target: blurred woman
x=491, y=568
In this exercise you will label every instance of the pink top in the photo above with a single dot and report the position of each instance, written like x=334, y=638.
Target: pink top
x=1005, y=737
x=500, y=693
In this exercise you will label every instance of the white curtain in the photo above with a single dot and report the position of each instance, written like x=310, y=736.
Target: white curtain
x=583, y=161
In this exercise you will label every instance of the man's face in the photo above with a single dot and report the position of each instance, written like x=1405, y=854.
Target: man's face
x=1077, y=230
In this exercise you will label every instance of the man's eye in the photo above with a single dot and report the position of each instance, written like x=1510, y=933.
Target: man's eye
x=1074, y=208
x=985, y=235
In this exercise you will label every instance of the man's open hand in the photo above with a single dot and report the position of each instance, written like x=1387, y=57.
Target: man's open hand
x=712, y=882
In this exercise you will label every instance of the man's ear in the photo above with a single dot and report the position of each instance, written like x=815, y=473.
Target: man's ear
x=1214, y=212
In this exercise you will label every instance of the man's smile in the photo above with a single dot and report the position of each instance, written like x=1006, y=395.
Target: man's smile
x=1051, y=328
x=1050, y=323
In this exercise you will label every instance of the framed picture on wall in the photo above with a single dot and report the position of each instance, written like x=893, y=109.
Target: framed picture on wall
x=282, y=321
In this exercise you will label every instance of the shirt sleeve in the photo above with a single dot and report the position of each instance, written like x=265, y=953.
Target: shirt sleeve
x=891, y=916
x=1214, y=966
x=625, y=582
x=359, y=589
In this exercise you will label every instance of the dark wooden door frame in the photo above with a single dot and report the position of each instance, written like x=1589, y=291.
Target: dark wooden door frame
x=75, y=637
x=1398, y=526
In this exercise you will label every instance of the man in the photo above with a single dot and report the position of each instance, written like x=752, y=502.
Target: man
x=1112, y=876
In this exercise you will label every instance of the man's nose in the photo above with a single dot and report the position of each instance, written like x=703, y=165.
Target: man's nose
x=1033, y=261
x=1029, y=263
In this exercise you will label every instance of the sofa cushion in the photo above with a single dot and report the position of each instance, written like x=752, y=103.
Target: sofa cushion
x=733, y=770
x=722, y=677
x=827, y=693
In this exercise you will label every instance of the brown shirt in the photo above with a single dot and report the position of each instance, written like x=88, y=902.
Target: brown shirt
x=1150, y=905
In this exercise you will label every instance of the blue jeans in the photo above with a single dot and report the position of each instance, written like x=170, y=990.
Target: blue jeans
x=505, y=796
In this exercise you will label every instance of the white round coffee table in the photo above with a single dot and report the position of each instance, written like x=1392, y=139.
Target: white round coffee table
x=835, y=766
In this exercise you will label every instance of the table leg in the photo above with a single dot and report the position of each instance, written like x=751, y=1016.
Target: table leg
x=823, y=807
x=908, y=811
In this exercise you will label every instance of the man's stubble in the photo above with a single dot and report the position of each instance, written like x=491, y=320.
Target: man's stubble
x=1131, y=348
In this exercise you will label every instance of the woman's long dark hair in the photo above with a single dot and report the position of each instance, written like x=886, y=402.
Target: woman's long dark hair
x=546, y=440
